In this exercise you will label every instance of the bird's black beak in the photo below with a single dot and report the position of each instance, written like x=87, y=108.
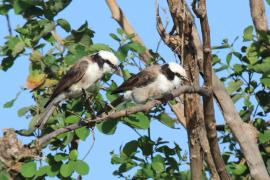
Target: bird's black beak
x=118, y=71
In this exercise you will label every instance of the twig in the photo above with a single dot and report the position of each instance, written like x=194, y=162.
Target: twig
x=166, y=25
x=9, y=24
x=92, y=145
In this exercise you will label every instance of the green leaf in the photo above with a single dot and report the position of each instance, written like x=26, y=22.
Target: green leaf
x=115, y=37
x=120, y=31
x=236, y=97
x=122, y=52
x=229, y=58
x=60, y=157
x=166, y=119
x=111, y=97
x=268, y=2
x=42, y=171
x=264, y=67
x=252, y=54
x=53, y=169
x=238, y=68
x=138, y=120
x=148, y=172
x=130, y=148
x=21, y=112
x=264, y=137
x=82, y=133
x=72, y=119
x=81, y=167
x=263, y=99
x=239, y=169
x=35, y=56
x=107, y=127
x=67, y=169
x=158, y=164
x=68, y=138
x=146, y=145
x=64, y=24
x=19, y=47
x=136, y=47
x=28, y=169
x=4, y=9
x=118, y=159
x=247, y=34
x=19, y=6
x=265, y=81
x=97, y=47
x=73, y=155
x=234, y=86
x=126, y=166
x=10, y=103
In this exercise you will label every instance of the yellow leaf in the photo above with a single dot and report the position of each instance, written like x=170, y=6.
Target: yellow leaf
x=34, y=80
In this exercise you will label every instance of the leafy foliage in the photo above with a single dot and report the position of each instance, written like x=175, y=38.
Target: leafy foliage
x=151, y=159
x=247, y=76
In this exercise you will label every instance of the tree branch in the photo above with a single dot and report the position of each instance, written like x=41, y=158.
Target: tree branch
x=258, y=15
x=119, y=17
x=115, y=115
x=244, y=133
x=210, y=123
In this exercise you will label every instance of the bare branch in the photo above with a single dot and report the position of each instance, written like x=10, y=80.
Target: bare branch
x=115, y=115
x=258, y=15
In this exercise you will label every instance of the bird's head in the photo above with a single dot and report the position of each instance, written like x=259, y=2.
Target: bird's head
x=178, y=71
x=111, y=61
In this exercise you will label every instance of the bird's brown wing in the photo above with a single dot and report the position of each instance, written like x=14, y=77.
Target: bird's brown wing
x=73, y=75
x=141, y=79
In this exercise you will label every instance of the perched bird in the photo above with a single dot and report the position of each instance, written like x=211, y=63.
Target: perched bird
x=83, y=74
x=152, y=82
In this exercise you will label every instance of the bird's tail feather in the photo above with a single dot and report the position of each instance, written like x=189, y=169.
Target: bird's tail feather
x=48, y=111
x=45, y=115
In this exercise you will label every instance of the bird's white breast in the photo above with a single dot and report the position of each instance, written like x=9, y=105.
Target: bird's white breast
x=93, y=74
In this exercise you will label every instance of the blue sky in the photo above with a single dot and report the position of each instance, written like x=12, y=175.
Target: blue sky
x=227, y=20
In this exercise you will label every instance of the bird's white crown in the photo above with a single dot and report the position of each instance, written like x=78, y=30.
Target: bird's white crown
x=177, y=68
x=109, y=56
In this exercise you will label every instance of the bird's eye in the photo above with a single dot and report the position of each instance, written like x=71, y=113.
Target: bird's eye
x=178, y=75
x=111, y=64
